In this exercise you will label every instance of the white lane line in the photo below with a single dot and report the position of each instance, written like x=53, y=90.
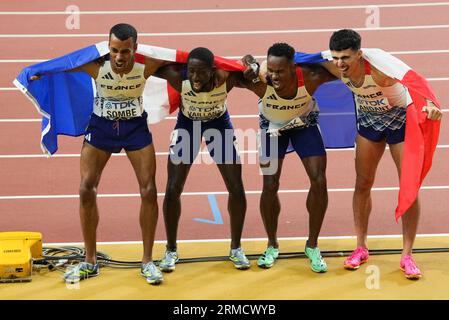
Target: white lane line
x=189, y=11
x=77, y=155
x=240, y=56
x=437, y=79
x=22, y=60
x=241, y=116
x=237, y=116
x=20, y=120
x=161, y=194
x=387, y=236
x=219, y=33
x=428, y=79
x=419, y=52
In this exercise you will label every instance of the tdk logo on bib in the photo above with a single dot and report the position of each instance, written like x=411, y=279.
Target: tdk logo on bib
x=120, y=104
x=378, y=105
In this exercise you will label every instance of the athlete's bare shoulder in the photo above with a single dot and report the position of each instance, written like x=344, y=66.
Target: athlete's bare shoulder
x=221, y=76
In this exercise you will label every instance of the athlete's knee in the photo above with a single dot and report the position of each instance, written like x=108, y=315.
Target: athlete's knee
x=236, y=190
x=319, y=180
x=271, y=185
x=149, y=193
x=173, y=190
x=364, y=182
x=87, y=191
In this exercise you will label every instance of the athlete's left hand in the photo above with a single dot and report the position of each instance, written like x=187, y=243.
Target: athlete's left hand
x=433, y=113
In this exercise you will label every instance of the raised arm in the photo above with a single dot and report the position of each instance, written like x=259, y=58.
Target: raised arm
x=251, y=78
x=91, y=68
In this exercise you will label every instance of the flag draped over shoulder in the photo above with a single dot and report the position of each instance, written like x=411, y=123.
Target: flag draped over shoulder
x=337, y=108
x=421, y=134
x=160, y=99
x=65, y=100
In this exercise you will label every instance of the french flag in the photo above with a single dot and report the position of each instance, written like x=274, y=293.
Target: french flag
x=421, y=134
x=65, y=100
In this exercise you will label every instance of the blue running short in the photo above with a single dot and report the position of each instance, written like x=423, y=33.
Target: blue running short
x=307, y=142
x=218, y=135
x=391, y=136
x=115, y=135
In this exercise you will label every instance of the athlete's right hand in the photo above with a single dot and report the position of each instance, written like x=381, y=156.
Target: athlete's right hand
x=248, y=60
x=35, y=77
x=252, y=68
x=433, y=112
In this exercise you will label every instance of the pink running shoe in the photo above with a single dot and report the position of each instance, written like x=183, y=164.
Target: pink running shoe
x=358, y=256
x=408, y=265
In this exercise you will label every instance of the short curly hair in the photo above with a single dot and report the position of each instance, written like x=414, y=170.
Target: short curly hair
x=345, y=39
x=282, y=49
x=202, y=54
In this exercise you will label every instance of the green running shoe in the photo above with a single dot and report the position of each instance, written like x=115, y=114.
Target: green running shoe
x=267, y=259
x=82, y=271
x=317, y=262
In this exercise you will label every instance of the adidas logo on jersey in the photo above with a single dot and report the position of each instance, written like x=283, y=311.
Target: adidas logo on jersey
x=108, y=76
x=190, y=93
x=272, y=97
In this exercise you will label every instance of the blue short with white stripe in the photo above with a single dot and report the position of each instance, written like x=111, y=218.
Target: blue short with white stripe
x=115, y=135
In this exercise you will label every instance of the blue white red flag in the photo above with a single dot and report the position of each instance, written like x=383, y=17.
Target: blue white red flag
x=421, y=135
x=65, y=100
